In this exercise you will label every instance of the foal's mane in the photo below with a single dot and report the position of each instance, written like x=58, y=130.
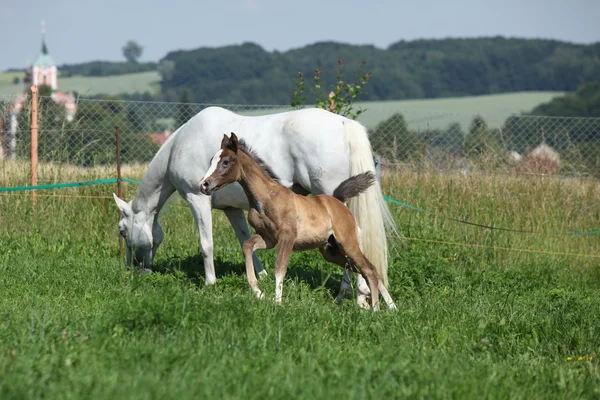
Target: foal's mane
x=243, y=146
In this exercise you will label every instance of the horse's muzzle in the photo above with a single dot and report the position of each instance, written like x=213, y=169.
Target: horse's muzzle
x=205, y=188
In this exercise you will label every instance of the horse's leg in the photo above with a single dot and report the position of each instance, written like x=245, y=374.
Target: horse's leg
x=157, y=235
x=240, y=226
x=201, y=209
x=256, y=242
x=345, y=287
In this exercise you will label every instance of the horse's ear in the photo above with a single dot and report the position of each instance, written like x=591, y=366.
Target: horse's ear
x=224, y=142
x=124, y=207
x=233, y=143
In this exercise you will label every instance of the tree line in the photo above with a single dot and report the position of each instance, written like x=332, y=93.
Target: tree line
x=247, y=73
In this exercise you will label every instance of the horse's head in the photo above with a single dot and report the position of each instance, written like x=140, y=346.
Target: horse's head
x=136, y=229
x=224, y=166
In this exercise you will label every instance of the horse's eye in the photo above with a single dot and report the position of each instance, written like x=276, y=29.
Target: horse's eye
x=123, y=232
x=225, y=163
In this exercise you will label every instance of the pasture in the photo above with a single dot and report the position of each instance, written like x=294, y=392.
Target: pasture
x=473, y=322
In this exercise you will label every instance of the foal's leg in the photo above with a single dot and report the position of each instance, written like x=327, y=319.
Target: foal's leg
x=386, y=296
x=256, y=242
x=349, y=245
x=284, y=251
x=327, y=186
x=338, y=258
x=240, y=226
x=201, y=209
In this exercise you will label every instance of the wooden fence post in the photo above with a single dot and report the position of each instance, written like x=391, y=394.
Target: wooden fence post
x=118, y=137
x=34, y=140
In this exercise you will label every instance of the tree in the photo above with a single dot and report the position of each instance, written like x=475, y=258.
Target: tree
x=394, y=140
x=44, y=90
x=132, y=51
x=343, y=95
x=479, y=140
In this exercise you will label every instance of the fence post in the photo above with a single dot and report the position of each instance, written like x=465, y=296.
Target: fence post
x=2, y=137
x=118, y=137
x=34, y=140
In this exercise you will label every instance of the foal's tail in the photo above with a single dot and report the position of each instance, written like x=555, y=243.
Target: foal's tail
x=354, y=186
x=369, y=208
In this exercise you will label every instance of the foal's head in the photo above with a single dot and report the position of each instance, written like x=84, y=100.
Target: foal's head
x=224, y=166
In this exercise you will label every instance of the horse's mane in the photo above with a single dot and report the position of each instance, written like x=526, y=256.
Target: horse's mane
x=242, y=145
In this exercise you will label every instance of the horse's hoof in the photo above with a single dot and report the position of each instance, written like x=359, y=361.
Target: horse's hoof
x=363, y=303
x=145, y=271
x=262, y=274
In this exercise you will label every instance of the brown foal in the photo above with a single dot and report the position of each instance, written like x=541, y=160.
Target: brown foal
x=294, y=222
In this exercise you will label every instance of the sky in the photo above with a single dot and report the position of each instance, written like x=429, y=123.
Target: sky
x=82, y=30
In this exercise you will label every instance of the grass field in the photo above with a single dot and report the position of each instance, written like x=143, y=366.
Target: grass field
x=472, y=322
x=422, y=115
x=89, y=85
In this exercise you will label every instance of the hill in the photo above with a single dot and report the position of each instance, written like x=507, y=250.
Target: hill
x=421, y=69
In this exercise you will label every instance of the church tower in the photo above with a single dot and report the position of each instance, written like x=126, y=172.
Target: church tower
x=44, y=70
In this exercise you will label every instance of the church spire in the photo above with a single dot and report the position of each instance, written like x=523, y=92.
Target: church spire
x=44, y=48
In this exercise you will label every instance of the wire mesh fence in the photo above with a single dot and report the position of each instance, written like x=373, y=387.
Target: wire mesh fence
x=82, y=134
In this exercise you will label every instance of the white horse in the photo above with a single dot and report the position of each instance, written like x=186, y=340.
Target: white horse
x=311, y=150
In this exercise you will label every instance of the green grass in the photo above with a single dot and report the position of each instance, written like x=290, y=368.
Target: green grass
x=422, y=115
x=472, y=322
x=88, y=85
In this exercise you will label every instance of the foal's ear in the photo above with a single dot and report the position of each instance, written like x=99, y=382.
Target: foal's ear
x=224, y=142
x=233, y=143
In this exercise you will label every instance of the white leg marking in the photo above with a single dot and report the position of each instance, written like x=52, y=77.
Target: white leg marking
x=386, y=296
x=278, y=288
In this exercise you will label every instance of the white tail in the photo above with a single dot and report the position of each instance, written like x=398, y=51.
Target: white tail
x=369, y=208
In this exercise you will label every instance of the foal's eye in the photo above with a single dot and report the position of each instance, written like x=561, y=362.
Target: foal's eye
x=225, y=163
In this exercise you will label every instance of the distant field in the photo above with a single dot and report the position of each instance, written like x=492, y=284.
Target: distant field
x=420, y=114
x=439, y=113
x=86, y=86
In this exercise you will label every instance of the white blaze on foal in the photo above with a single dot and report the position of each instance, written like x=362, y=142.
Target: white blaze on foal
x=213, y=165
